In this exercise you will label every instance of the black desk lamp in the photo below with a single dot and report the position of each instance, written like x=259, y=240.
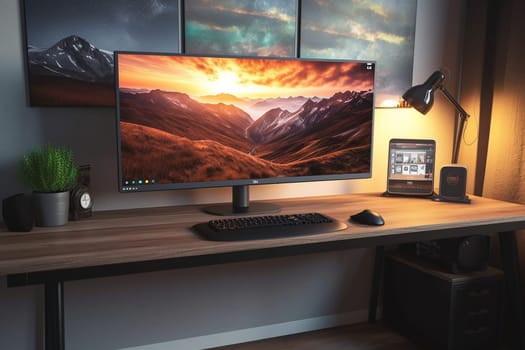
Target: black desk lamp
x=421, y=97
x=453, y=182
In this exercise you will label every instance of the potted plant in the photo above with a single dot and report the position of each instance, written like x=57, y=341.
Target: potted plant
x=51, y=173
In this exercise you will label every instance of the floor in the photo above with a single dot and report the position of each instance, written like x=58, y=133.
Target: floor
x=362, y=336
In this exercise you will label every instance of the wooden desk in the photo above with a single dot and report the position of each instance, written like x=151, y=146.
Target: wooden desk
x=141, y=240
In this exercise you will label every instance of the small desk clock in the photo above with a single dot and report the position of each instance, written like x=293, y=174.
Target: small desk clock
x=81, y=201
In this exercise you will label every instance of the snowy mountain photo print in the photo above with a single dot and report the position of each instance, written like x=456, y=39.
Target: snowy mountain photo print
x=70, y=45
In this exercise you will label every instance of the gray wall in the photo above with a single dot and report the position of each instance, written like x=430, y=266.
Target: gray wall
x=199, y=306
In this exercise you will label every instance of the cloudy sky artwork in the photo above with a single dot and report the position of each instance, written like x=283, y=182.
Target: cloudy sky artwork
x=241, y=27
x=135, y=25
x=379, y=30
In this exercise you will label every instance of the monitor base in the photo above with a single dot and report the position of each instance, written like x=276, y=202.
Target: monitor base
x=254, y=209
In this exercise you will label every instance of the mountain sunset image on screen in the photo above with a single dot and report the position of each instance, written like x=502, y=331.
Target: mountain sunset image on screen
x=188, y=119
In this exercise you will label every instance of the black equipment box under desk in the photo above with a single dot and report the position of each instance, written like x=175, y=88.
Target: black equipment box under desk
x=440, y=309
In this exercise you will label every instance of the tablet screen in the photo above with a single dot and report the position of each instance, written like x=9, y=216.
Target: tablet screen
x=411, y=166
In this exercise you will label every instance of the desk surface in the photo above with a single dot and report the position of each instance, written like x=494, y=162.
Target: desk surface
x=161, y=234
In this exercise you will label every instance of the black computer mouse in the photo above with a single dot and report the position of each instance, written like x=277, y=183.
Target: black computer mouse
x=368, y=217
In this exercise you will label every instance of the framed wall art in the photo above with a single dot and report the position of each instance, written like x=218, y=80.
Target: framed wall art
x=378, y=30
x=234, y=27
x=70, y=45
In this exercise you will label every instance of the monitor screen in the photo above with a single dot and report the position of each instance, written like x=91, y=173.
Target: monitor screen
x=206, y=121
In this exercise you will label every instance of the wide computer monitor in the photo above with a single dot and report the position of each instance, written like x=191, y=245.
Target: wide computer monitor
x=205, y=121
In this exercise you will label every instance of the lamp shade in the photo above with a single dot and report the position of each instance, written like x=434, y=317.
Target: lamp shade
x=421, y=97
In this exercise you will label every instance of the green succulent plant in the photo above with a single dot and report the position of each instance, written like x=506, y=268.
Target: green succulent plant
x=49, y=169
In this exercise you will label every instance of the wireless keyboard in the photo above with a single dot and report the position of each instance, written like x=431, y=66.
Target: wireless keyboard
x=269, y=226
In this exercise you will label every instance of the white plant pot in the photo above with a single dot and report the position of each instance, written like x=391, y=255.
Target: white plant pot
x=51, y=209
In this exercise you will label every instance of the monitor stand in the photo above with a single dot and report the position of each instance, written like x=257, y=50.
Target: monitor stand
x=241, y=204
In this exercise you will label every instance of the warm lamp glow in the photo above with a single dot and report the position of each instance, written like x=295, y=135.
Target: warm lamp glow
x=389, y=104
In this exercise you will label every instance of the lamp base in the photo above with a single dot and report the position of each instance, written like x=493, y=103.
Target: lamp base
x=465, y=199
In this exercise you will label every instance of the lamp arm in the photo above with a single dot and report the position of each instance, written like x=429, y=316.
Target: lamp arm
x=463, y=116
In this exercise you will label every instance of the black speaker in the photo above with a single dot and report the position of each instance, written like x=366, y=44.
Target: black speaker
x=464, y=254
x=17, y=212
x=453, y=184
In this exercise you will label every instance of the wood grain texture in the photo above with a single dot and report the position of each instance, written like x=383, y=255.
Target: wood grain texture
x=138, y=235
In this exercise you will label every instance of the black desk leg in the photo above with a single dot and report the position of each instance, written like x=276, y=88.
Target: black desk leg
x=513, y=287
x=54, y=315
x=376, y=283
